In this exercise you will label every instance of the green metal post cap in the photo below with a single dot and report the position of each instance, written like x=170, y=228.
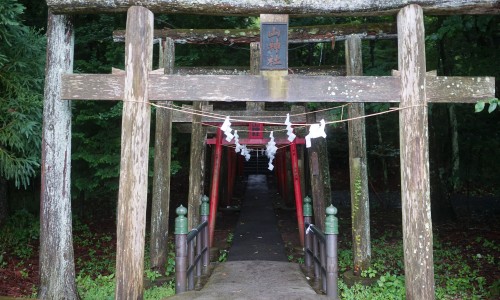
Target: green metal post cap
x=204, y=209
x=307, y=207
x=181, y=224
x=331, y=222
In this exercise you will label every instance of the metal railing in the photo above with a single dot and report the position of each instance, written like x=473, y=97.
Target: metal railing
x=320, y=248
x=187, y=263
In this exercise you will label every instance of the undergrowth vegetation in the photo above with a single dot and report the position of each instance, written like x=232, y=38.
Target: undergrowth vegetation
x=460, y=269
x=457, y=276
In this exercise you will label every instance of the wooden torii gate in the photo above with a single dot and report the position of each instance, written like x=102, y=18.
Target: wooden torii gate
x=411, y=87
x=166, y=38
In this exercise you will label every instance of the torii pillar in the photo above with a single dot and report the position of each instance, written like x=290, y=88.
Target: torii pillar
x=414, y=145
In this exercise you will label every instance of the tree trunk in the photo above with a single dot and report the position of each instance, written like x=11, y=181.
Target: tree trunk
x=382, y=157
x=455, y=150
x=132, y=195
x=161, y=178
x=360, y=204
x=319, y=171
x=413, y=126
x=440, y=153
x=57, y=267
x=4, y=203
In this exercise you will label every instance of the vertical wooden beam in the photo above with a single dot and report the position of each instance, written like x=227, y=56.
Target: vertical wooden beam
x=160, y=203
x=133, y=189
x=360, y=205
x=255, y=70
x=196, y=167
x=161, y=54
x=57, y=267
x=319, y=171
x=414, y=149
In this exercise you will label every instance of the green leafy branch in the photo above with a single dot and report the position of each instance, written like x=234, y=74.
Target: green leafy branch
x=480, y=105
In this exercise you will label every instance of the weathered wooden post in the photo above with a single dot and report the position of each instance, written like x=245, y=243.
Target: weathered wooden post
x=181, y=231
x=132, y=195
x=204, y=212
x=307, y=237
x=319, y=175
x=57, y=267
x=360, y=204
x=196, y=165
x=160, y=203
x=413, y=130
x=332, y=271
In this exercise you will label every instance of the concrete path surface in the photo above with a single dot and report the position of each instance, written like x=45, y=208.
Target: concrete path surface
x=255, y=280
x=256, y=236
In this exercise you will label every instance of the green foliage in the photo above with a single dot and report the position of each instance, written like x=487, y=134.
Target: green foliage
x=455, y=276
x=152, y=274
x=19, y=234
x=222, y=255
x=389, y=286
x=22, y=57
x=159, y=292
x=99, y=288
x=493, y=103
x=103, y=288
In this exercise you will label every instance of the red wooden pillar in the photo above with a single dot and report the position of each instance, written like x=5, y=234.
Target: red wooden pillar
x=231, y=173
x=241, y=165
x=277, y=171
x=284, y=177
x=214, y=188
x=297, y=190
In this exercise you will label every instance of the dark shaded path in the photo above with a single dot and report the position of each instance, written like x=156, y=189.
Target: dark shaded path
x=256, y=236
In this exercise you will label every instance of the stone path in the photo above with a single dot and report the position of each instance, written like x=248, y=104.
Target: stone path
x=256, y=236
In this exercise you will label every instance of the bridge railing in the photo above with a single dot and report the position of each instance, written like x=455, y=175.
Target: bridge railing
x=320, y=248
x=191, y=248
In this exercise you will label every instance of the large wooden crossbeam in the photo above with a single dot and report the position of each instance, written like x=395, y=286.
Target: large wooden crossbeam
x=293, y=88
x=291, y=7
x=303, y=34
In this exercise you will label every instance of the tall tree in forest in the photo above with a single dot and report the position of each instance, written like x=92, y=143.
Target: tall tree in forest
x=22, y=56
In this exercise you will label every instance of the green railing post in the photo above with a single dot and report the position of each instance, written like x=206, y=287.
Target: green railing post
x=308, y=213
x=331, y=232
x=181, y=230
x=204, y=212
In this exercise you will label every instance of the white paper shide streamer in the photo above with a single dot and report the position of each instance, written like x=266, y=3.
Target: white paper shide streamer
x=289, y=129
x=315, y=131
x=271, y=151
x=241, y=148
x=226, y=127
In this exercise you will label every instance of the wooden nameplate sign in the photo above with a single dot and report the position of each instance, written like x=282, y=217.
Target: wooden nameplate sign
x=274, y=54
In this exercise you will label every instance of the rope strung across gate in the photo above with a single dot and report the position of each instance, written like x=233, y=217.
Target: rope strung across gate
x=221, y=117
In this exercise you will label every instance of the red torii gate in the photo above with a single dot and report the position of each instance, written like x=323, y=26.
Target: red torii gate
x=255, y=138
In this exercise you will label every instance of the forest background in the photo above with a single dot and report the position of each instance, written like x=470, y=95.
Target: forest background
x=464, y=144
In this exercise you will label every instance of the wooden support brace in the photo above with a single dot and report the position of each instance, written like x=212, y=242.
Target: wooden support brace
x=293, y=88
